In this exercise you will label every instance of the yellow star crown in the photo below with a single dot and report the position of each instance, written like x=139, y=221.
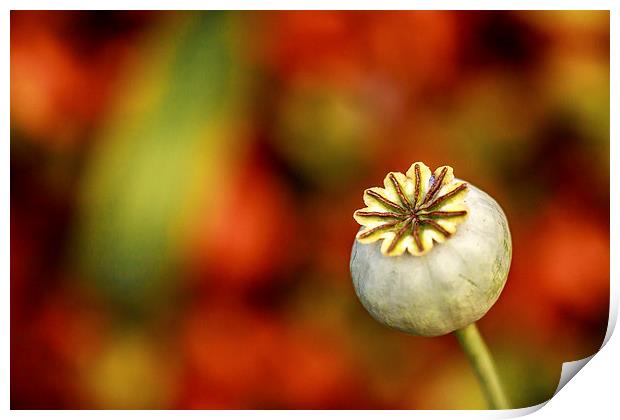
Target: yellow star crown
x=413, y=211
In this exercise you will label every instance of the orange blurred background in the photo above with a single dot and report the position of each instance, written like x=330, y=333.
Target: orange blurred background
x=182, y=190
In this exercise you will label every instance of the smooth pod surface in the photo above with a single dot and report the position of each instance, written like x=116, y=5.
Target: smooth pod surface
x=448, y=288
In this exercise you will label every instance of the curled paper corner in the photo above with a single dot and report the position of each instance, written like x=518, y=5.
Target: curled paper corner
x=569, y=369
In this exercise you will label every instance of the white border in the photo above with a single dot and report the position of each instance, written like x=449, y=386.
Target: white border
x=315, y=4
x=592, y=394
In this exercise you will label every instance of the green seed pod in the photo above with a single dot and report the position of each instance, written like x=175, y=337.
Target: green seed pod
x=444, y=257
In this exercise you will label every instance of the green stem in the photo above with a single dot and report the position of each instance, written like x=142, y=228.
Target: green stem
x=476, y=350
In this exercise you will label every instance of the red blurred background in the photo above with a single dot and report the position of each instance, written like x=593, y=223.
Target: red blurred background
x=182, y=189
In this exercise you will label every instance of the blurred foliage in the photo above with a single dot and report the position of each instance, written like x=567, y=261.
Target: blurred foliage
x=182, y=185
x=169, y=133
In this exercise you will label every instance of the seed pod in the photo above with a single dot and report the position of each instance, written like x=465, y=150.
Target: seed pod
x=433, y=252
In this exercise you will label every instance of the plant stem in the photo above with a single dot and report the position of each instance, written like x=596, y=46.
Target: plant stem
x=476, y=350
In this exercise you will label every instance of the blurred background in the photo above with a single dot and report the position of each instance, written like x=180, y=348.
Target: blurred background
x=182, y=190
